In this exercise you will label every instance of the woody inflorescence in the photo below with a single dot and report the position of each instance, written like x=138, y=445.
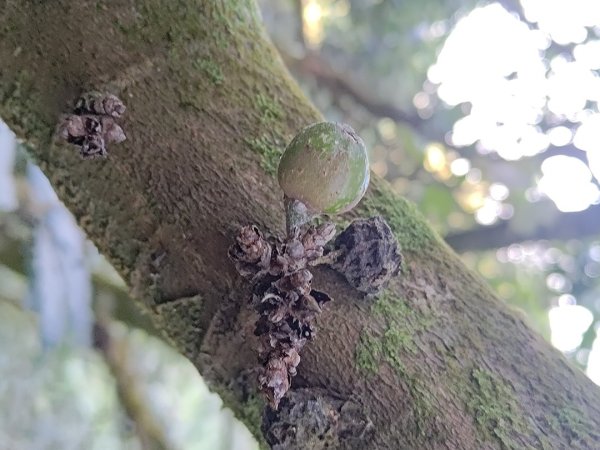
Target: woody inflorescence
x=92, y=124
x=282, y=296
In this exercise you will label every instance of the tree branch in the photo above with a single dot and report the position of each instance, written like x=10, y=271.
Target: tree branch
x=313, y=65
x=575, y=225
x=116, y=355
x=435, y=362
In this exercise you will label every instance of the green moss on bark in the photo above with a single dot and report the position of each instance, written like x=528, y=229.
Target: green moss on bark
x=211, y=69
x=269, y=145
x=401, y=324
x=270, y=109
x=269, y=151
x=373, y=347
x=368, y=353
x=19, y=107
x=182, y=322
x=388, y=344
x=495, y=409
x=413, y=233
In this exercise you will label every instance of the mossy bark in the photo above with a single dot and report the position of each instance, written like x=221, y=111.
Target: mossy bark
x=436, y=362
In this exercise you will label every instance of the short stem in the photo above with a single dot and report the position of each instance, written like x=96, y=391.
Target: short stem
x=328, y=259
x=296, y=215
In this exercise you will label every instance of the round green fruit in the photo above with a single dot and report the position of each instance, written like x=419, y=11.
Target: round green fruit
x=326, y=168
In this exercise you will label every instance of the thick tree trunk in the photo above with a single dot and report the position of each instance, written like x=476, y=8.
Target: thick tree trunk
x=436, y=362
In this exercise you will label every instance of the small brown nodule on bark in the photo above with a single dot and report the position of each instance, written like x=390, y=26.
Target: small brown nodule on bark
x=367, y=254
x=283, y=298
x=99, y=104
x=92, y=124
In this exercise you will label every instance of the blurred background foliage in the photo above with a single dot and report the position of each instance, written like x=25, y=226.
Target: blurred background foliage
x=485, y=115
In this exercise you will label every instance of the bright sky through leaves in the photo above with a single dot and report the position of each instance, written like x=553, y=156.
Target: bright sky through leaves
x=495, y=63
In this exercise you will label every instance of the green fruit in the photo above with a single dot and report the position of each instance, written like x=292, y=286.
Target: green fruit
x=326, y=168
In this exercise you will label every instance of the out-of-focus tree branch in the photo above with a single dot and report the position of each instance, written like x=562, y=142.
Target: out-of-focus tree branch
x=314, y=65
x=512, y=6
x=111, y=299
x=566, y=226
x=115, y=352
x=299, y=10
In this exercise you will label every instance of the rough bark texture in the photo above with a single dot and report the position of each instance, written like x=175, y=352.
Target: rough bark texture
x=436, y=362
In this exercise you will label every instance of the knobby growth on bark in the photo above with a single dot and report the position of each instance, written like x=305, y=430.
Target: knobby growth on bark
x=92, y=125
x=434, y=361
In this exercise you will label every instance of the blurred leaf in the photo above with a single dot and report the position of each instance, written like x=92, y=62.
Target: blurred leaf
x=60, y=284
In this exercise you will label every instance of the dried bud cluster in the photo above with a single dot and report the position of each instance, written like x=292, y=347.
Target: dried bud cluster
x=252, y=253
x=283, y=297
x=100, y=104
x=92, y=125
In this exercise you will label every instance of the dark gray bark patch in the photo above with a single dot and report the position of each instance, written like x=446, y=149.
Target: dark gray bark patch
x=309, y=418
x=367, y=254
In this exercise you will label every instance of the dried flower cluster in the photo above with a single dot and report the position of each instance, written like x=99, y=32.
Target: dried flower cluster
x=92, y=124
x=282, y=296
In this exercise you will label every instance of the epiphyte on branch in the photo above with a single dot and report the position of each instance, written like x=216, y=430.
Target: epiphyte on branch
x=324, y=170
x=92, y=125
